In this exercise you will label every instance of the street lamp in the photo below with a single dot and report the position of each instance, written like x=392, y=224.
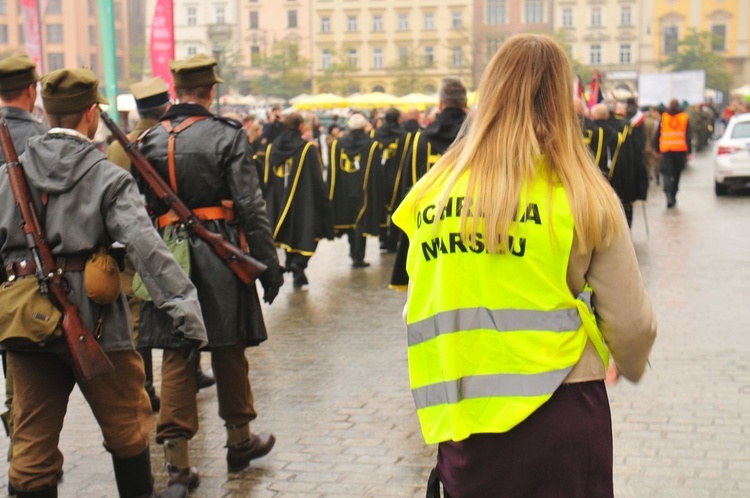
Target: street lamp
x=216, y=51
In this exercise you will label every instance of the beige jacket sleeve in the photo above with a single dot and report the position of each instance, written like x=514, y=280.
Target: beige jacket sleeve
x=622, y=306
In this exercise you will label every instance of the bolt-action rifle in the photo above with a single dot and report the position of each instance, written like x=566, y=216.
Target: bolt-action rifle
x=245, y=267
x=89, y=360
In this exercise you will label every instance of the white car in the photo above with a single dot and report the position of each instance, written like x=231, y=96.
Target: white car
x=732, y=155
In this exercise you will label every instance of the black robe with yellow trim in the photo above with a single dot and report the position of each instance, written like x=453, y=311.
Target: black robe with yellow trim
x=426, y=149
x=394, y=142
x=296, y=194
x=593, y=135
x=355, y=188
x=432, y=142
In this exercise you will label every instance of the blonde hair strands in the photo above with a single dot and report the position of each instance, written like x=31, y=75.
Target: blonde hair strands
x=526, y=112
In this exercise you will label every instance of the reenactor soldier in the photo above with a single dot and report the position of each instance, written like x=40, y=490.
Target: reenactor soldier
x=355, y=189
x=426, y=149
x=651, y=155
x=151, y=100
x=84, y=203
x=207, y=161
x=18, y=79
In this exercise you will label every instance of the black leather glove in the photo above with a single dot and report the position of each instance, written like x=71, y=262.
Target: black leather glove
x=272, y=279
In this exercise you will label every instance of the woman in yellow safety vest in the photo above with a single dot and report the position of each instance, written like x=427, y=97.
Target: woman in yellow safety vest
x=523, y=283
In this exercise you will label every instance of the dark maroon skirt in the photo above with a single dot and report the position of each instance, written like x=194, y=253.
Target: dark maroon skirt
x=564, y=449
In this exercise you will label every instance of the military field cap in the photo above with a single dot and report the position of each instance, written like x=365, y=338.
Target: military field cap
x=16, y=72
x=199, y=70
x=150, y=93
x=67, y=91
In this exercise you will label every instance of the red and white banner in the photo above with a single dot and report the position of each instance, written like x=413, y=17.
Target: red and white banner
x=162, y=40
x=32, y=32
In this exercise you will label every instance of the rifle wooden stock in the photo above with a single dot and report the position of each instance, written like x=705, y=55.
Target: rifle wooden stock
x=89, y=360
x=246, y=268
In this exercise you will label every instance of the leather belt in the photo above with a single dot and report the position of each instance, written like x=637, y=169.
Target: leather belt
x=224, y=212
x=25, y=268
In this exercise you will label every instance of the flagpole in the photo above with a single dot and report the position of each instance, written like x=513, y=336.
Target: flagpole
x=109, y=54
x=41, y=64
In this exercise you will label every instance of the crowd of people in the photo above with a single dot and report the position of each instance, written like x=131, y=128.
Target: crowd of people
x=290, y=182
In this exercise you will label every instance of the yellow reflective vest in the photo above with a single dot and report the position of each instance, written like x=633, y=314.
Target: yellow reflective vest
x=491, y=336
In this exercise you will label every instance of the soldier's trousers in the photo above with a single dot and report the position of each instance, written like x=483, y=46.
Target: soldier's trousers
x=178, y=417
x=43, y=383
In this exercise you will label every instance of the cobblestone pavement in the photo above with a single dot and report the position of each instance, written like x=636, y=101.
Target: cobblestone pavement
x=331, y=382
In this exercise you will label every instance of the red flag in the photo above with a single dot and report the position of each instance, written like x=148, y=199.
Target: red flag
x=162, y=40
x=596, y=91
x=579, y=93
x=32, y=32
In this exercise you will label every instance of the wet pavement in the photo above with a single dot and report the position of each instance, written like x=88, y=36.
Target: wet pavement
x=331, y=382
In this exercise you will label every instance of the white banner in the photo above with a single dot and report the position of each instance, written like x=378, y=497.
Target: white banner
x=660, y=88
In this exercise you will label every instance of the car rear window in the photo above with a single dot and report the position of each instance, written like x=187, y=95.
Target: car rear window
x=741, y=130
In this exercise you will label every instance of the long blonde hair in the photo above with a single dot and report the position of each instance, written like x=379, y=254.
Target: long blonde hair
x=526, y=113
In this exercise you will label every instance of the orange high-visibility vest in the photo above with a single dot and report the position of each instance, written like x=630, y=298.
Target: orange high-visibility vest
x=673, y=136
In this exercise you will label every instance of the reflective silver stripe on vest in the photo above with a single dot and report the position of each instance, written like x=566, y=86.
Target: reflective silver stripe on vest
x=506, y=320
x=485, y=386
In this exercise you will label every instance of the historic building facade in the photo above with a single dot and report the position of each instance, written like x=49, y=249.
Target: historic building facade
x=390, y=45
x=70, y=35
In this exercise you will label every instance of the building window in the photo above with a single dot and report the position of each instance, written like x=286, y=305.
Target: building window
x=325, y=58
x=428, y=21
x=54, y=7
x=353, y=57
x=4, y=9
x=595, y=54
x=351, y=23
x=458, y=57
x=3, y=33
x=719, y=38
x=220, y=14
x=429, y=56
x=92, y=12
x=93, y=35
x=596, y=17
x=403, y=22
x=291, y=18
x=94, y=62
x=491, y=46
x=377, y=22
x=325, y=24
x=496, y=12
x=192, y=16
x=55, y=61
x=534, y=11
x=54, y=33
x=625, y=53
x=192, y=50
x=377, y=58
x=403, y=55
x=458, y=20
x=255, y=56
x=254, y=19
x=626, y=16
x=21, y=38
x=671, y=39
x=567, y=18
